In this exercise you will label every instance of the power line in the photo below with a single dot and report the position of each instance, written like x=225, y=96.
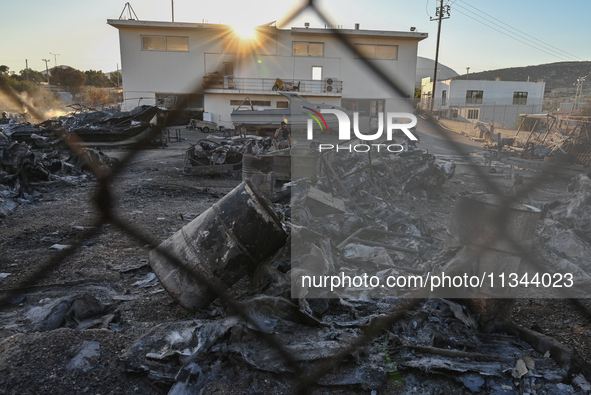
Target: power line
x=427, y=9
x=520, y=31
x=510, y=34
x=517, y=39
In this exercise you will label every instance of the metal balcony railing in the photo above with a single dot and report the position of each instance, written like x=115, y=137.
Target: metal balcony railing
x=230, y=83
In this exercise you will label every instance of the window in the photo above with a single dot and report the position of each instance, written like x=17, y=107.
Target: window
x=177, y=43
x=472, y=114
x=370, y=51
x=474, y=97
x=443, y=98
x=165, y=43
x=315, y=49
x=228, y=68
x=519, y=97
x=454, y=113
x=264, y=103
x=308, y=49
x=317, y=73
x=282, y=104
x=154, y=43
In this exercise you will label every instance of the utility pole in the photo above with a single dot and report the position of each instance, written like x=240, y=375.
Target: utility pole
x=438, y=17
x=117, y=75
x=27, y=68
x=579, y=91
x=172, y=4
x=55, y=55
x=46, y=69
x=467, y=72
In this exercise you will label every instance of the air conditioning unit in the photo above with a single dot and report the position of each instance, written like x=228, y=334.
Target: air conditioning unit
x=330, y=82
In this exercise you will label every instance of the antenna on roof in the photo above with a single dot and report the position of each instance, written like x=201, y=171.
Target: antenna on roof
x=130, y=13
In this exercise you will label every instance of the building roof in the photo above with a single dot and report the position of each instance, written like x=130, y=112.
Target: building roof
x=119, y=23
x=123, y=23
x=361, y=33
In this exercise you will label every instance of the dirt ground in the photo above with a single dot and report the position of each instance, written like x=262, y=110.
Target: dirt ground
x=154, y=196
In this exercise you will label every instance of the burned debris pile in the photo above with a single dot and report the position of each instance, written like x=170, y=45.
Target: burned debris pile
x=565, y=234
x=350, y=235
x=210, y=156
x=105, y=126
x=554, y=140
x=42, y=159
x=88, y=126
x=347, y=213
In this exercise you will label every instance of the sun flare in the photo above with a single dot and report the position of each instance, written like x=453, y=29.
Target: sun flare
x=244, y=30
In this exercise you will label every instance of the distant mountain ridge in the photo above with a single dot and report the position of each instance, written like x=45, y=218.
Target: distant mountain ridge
x=560, y=75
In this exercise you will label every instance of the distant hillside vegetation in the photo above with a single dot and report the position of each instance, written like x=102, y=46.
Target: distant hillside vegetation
x=558, y=76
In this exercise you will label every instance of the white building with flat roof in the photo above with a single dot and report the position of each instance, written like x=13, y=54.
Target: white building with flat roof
x=496, y=102
x=212, y=68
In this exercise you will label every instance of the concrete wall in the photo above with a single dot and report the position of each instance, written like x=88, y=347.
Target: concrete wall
x=497, y=100
x=147, y=73
x=497, y=93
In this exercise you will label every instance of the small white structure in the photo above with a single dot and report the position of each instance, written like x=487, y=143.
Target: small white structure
x=495, y=102
x=173, y=60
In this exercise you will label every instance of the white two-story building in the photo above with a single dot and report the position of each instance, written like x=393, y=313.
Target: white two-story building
x=496, y=102
x=211, y=67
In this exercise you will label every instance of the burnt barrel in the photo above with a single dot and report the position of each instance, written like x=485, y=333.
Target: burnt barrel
x=224, y=243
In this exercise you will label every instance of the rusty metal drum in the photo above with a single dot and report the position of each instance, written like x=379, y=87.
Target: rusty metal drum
x=224, y=243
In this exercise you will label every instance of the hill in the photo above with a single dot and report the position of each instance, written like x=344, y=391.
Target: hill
x=559, y=77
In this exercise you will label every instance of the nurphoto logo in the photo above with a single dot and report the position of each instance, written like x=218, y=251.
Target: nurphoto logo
x=392, y=121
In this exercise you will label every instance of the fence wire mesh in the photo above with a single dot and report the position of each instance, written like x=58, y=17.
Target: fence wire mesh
x=104, y=204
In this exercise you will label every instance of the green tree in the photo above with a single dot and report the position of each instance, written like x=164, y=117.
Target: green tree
x=68, y=77
x=32, y=75
x=116, y=77
x=97, y=78
x=27, y=92
x=4, y=69
x=95, y=96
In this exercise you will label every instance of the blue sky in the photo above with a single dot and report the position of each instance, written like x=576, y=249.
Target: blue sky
x=78, y=32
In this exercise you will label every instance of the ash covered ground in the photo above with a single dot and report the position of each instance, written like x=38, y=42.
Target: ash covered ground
x=101, y=323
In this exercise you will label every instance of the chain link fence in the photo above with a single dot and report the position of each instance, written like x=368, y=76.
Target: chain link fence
x=499, y=223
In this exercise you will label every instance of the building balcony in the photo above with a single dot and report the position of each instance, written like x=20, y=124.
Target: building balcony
x=230, y=84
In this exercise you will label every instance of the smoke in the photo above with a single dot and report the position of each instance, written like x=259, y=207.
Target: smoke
x=33, y=105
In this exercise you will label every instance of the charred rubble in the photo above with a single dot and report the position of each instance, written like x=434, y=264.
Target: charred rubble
x=214, y=156
x=353, y=213
x=88, y=126
x=438, y=337
x=42, y=160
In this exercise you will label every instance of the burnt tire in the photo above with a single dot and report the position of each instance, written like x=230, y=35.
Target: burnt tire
x=205, y=129
x=275, y=87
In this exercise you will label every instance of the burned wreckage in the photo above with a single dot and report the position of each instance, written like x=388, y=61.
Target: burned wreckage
x=240, y=267
x=334, y=223
x=32, y=153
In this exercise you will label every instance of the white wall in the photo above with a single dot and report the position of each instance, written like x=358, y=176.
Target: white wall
x=146, y=73
x=495, y=92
